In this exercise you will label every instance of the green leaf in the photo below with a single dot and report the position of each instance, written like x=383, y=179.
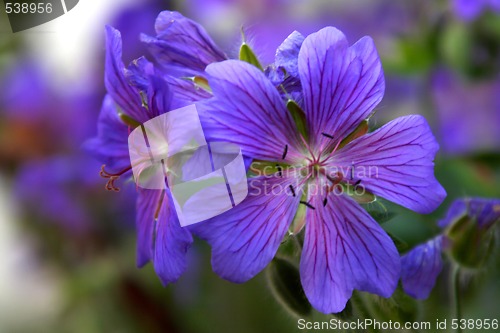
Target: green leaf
x=299, y=117
x=284, y=280
x=247, y=55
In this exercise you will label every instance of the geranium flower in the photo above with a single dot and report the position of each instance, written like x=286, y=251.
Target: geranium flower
x=465, y=236
x=323, y=147
x=160, y=236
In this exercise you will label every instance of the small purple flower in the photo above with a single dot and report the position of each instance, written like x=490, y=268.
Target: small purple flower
x=421, y=266
x=160, y=236
x=468, y=10
x=344, y=248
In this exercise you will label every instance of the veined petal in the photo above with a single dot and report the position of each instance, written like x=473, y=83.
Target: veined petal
x=396, y=163
x=287, y=54
x=118, y=87
x=148, y=203
x=171, y=243
x=111, y=144
x=245, y=239
x=420, y=268
x=159, y=96
x=182, y=44
x=247, y=110
x=341, y=84
x=345, y=249
x=184, y=91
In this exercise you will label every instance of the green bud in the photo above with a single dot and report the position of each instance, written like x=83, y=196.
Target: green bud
x=470, y=245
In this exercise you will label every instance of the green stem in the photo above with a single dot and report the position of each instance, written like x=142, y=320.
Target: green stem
x=457, y=297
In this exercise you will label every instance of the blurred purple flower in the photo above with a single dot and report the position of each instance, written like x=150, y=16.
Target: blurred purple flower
x=56, y=179
x=160, y=236
x=468, y=10
x=469, y=114
x=421, y=266
x=344, y=248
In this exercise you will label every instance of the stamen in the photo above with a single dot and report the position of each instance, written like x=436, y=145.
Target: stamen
x=158, y=207
x=333, y=152
x=325, y=201
x=112, y=177
x=280, y=170
x=329, y=136
x=285, y=152
x=307, y=204
x=292, y=190
x=308, y=148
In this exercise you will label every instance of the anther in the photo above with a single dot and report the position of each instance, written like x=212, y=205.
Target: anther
x=280, y=170
x=285, y=152
x=292, y=190
x=329, y=136
x=325, y=201
x=307, y=204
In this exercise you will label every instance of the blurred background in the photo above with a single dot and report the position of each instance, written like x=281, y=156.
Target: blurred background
x=67, y=246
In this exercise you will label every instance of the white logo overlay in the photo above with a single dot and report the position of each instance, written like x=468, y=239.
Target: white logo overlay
x=206, y=179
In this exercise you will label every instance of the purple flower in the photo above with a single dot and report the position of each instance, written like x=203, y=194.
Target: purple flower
x=344, y=248
x=465, y=225
x=468, y=10
x=160, y=236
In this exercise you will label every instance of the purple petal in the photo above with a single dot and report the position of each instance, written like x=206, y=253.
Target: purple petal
x=396, y=163
x=420, y=268
x=147, y=204
x=184, y=91
x=245, y=239
x=287, y=54
x=457, y=209
x=111, y=144
x=248, y=111
x=485, y=211
x=341, y=84
x=159, y=97
x=345, y=249
x=126, y=96
x=182, y=44
x=171, y=243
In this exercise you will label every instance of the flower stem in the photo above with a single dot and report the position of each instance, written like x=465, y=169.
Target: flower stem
x=457, y=297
